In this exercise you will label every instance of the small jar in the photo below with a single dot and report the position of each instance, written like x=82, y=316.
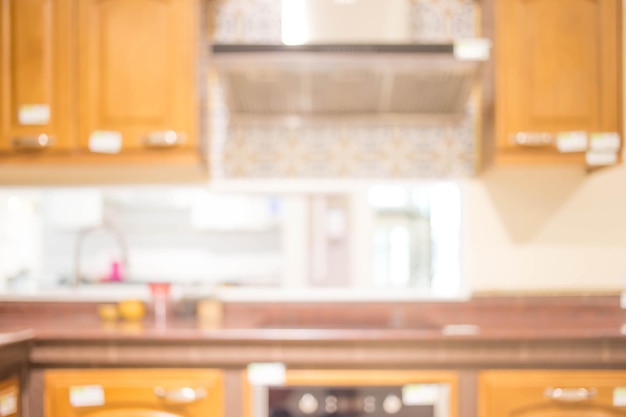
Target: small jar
x=209, y=313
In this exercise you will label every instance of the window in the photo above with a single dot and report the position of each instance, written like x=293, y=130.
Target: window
x=415, y=236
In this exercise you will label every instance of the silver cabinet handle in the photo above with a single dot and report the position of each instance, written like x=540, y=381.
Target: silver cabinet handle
x=164, y=139
x=183, y=395
x=532, y=139
x=33, y=142
x=570, y=394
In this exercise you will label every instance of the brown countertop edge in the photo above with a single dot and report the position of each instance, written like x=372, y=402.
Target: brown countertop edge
x=330, y=348
x=185, y=332
x=174, y=334
x=8, y=338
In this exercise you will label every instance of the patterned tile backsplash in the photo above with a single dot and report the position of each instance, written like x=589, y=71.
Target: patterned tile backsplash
x=259, y=21
x=249, y=21
x=442, y=20
x=349, y=150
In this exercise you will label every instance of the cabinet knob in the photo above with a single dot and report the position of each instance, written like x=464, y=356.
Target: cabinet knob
x=570, y=394
x=164, y=139
x=34, y=142
x=183, y=395
x=532, y=139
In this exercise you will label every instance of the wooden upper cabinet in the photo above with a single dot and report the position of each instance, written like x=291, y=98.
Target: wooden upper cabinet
x=134, y=393
x=36, y=75
x=552, y=394
x=137, y=66
x=558, y=69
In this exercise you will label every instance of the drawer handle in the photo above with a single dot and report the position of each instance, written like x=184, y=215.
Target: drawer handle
x=164, y=139
x=532, y=139
x=182, y=395
x=42, y=141
x=570, y=394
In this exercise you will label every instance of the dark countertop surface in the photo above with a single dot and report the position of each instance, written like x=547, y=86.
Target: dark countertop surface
x=40, y=329
x=557, y=332
x=12, y=335
x=486, y=318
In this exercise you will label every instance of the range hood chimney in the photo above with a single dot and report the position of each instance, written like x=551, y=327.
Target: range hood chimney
x=348, y=59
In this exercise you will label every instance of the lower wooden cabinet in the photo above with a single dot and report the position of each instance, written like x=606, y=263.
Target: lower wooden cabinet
x=10, y=397
x=552, y=394
x=134, y=393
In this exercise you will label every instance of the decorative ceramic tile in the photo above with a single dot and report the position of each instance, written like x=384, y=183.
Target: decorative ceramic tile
x=350, y=152
x=345, y=151
x=442, y=20
x=248, y=21
x=259, y=21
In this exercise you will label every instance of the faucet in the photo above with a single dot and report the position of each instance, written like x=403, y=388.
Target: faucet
x=82, y=235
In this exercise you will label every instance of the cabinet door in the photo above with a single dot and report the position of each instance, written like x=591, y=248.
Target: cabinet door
x=551, y=393
x=133, y=393
x=557, y=70
x=137, y=74
x=9, y=397
x=36, y=72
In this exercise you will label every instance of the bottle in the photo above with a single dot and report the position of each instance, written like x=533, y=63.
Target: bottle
x=160, y=297
x=116, y=274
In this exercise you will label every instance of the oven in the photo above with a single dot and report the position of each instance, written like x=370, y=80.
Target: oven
x=397, y=394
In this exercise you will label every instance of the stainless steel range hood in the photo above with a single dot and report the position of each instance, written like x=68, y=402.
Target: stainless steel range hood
x=355, y=59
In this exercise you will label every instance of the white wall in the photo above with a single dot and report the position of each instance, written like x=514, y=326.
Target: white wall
x=550, y=229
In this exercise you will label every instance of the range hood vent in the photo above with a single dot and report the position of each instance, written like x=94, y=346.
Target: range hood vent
x=340, y=59
x=370, y=82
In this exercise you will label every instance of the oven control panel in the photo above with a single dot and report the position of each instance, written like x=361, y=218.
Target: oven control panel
x=425, y=400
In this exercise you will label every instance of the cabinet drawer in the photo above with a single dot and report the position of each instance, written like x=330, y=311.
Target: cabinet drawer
x=552, y=393
x=133, y=393
x=9, y=397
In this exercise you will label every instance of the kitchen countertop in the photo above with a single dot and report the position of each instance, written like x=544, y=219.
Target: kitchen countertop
x=14, y=349
x=12, y=336
x=502, y=334
x=189, y=330
x=54, y=343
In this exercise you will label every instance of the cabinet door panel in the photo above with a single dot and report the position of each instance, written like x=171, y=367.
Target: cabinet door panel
x=523, y=394
x=137, y=71
x=557, y=66
x=9, y=397
x=131, y=393
x=36, y=61
x=131, y=412
x=558, y=77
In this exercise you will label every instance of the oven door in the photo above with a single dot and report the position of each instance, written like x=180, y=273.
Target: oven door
x=408, y=400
